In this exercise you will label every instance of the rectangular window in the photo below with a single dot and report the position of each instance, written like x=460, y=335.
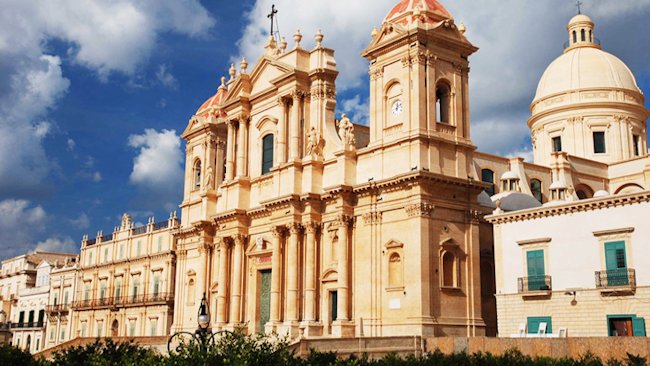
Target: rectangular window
x=616, y=262
x=557, y=144
x=62, y=335
x=487, y=176
x=132, y=329
x=267, y=154
x=535, y=325
x=536, y=273
x=160, y=243
x=99, y=329
x=137, y=250
x=121, y=251
x=599, y=142
x=105, y=254
x=627, y=325
x=52, y=335
x=83, y=329
x=154, y=327
x=635, y=140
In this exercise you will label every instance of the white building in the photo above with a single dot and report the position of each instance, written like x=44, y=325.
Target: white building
x=28, y=331
x=63, y=280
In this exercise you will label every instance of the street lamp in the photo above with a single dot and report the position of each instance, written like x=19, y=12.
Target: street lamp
x=202, y=336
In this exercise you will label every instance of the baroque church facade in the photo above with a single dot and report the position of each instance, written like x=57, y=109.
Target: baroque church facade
x=295, y=222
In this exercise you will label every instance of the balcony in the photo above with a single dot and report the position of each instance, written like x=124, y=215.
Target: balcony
x=621, y=281
x=57, y=309
x=535, y=286
x=25, y=325
x=161, y=298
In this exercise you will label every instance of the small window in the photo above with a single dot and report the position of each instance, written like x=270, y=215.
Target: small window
x=118, y=288
x=197, y=174
x=536, y=189
x=443, y=101
x=599, y=142
x=160, y=243
x=121, y=251
x=156, y=285
x=449, y=270
x=105, y=254
x=536, y=272
x=487, y=176
x=137, y=249
x=132, y=328
x=575, y=37
x=591, y=36
x=154, y=327
x=635, y=140
x=557, y=144
x=267, y=154
x=540, y=325
x=583, y=35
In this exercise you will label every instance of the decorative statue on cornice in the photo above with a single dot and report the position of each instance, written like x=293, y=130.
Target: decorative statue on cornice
x=314, y=144
x=346, y=132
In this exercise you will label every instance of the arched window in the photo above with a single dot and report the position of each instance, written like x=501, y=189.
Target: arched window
x=583, y=36
x=28, y=343
x=536, y=189
x=443, y=101
x=191, y=290
x=591, y=36
x=487, y=176
x=115, y=328
x=197, y=174
x=575, y=37
x=395, y=277
x=449, y=270
x=267, y=154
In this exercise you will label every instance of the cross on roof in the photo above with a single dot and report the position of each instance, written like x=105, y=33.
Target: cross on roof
x=578, y=4
x=272, y=16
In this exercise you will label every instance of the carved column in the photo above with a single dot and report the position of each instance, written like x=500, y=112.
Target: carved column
x=219, y=169
x=241, y=148
x=282, y=132
x=310, y=271
x=223, y=276
x=276, y=273
x=235, y=297
x=230, y=159
x=294, y=148
x=292, y=272
x=343, y=266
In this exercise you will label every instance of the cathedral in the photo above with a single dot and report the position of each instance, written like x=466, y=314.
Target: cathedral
x=298, y=222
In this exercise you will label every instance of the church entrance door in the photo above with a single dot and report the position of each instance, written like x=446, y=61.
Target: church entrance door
x=265, y=298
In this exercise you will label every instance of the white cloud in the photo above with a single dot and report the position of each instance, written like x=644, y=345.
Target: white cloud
x=81, y=222
x=157, y=169
x=104, y=36
x=517, y=40
x=71, y=144
x=356, y=110
x=19, y=222
x=166, y=78
x=97, y=177
x=58, y=244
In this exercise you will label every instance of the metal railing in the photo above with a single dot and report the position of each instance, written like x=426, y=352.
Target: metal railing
x=160, y=225
x=139, y=230
x=28, y=325
x=616, y=278
x=160, y=298
x=60, y=308
x=567, y=44
x=534, y=283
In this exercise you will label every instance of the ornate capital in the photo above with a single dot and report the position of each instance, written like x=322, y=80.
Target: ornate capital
x=239, y=239
x=420, y=209
x=473, y=216
x=297, y=94
x=312, y=227
x=343, y=220
x=295, y=228
x=277, y=231
x=371, y=218
x=223, y=242
x=376, y=74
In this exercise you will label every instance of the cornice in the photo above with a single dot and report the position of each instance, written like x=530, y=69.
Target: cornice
x=569, y=208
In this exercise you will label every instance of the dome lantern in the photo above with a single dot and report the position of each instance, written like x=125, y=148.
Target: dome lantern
x=581, y=33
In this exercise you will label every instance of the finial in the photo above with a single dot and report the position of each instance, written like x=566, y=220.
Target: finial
x=374, y=32
x=243, y=65
x=462, y=29
x=319, y=39
x=297, y=37
x=223, y=82
x=283, y=44
x=232, y=71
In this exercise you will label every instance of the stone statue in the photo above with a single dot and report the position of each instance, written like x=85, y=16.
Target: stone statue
x=313, y=143
x=209, y=183
x=346, y=132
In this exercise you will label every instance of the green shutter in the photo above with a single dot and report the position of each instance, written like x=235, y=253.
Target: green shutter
x=536, y=273
x=267, y=154
x=615, y=255
x=534, y=321
x=638, y=326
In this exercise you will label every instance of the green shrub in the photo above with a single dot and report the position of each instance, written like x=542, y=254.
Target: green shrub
x=13, y=356
x=106, y=353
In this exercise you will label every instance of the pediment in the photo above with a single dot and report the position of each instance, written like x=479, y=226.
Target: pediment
x=260, y=78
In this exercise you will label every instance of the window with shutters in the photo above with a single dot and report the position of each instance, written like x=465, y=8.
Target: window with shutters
x=540, y=325
x=599, y=142
x=626, y=325
x=616, y=263
x=267, y=154
x=557, y=144
x=535, y=270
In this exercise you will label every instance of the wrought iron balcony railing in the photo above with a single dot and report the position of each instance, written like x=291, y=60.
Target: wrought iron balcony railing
x=624, y=277
x=534, y=283
x=160, y=298
x=28, y=325
x=60, y=308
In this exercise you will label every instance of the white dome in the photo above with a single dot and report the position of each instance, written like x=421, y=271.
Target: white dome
x=601, y=193
x=485, y=200
x=582, y=68
x=580, y=18
x=514, y=201
x=509, y=175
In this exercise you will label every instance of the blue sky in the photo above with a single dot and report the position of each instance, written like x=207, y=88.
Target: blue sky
x=94, y=95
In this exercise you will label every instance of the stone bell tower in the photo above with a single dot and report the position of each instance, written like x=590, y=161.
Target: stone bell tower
x=419, y=75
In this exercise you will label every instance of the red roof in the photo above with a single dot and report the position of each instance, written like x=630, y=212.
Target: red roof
x=431, y=10
x=211, y=106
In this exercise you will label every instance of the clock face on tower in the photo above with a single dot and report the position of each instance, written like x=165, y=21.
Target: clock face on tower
x=397, y=108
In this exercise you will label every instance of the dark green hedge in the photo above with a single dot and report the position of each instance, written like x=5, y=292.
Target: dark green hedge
x=238, y=349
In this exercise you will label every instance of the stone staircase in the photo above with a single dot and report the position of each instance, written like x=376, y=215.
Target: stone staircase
x=375, y=347
x=158, y=343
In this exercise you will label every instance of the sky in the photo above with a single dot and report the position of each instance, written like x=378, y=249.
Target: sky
x=95, y=94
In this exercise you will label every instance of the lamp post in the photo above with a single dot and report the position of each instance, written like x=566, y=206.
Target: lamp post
x=202, y=336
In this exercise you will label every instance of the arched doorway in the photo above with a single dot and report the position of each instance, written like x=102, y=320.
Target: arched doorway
x=115, y=328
